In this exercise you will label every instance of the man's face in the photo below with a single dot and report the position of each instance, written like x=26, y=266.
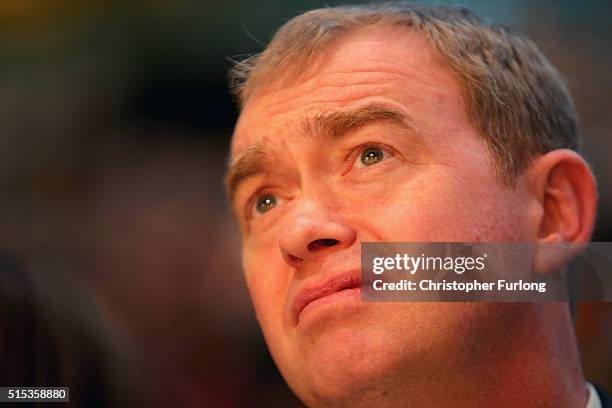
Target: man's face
x=371, y=143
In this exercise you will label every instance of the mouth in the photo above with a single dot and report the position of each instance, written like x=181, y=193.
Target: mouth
x=335, y=288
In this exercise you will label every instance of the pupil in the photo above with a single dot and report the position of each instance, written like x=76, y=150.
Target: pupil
x=371, y=156
x=266, y=203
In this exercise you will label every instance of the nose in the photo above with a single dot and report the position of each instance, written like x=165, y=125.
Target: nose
x=313, y=233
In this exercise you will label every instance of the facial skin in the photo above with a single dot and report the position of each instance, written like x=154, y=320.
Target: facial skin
x=429, y=178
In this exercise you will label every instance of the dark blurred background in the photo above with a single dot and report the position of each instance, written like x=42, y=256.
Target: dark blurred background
x=115, y=121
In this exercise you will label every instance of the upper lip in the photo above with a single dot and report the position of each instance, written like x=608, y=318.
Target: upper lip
x=348, y=280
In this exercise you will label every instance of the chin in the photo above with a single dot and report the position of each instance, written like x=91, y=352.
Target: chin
x=344, y=364
x=357, y=360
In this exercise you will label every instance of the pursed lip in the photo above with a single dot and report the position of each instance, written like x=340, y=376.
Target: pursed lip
x=347, y=280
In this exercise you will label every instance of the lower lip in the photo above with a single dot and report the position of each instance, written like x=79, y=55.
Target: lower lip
x=335, y=300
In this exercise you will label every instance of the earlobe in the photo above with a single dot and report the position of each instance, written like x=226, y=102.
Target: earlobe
x=566, y=194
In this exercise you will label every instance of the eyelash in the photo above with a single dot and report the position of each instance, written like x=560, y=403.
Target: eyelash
x=353, y=156
x=250, y=205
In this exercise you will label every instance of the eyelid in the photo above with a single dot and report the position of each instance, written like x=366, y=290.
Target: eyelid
x=250, y=202
x=249, y=209
x=356, y=152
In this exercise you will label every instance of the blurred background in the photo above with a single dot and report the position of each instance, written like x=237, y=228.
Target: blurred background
x=115, y=121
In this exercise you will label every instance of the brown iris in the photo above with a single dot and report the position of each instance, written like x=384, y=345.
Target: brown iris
x=371, y=155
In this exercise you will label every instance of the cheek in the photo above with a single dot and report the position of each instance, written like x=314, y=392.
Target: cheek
x=267, y=279
x=443, y=208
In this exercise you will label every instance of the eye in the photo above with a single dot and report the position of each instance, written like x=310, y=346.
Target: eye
x=371, y=155
x=265, y=203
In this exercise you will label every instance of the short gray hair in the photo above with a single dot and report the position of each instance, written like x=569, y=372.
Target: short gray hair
x=514, y=97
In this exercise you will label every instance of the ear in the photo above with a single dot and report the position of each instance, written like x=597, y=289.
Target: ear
x=565, y=195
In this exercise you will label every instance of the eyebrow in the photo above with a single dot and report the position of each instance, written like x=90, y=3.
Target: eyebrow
x=250, y=163
x=256, y=158
x=337, y=124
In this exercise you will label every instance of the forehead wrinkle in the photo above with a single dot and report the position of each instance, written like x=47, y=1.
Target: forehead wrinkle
x=333, y=89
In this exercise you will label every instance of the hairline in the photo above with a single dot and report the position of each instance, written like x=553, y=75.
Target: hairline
x=481, y=90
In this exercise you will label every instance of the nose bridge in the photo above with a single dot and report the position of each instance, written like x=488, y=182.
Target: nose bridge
x=315, y=227
x=317, y=197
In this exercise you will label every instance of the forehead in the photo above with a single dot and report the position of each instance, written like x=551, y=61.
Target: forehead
x=380, y=63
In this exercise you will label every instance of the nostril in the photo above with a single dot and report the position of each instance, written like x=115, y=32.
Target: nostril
x=293, y=258
x=322, y=243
